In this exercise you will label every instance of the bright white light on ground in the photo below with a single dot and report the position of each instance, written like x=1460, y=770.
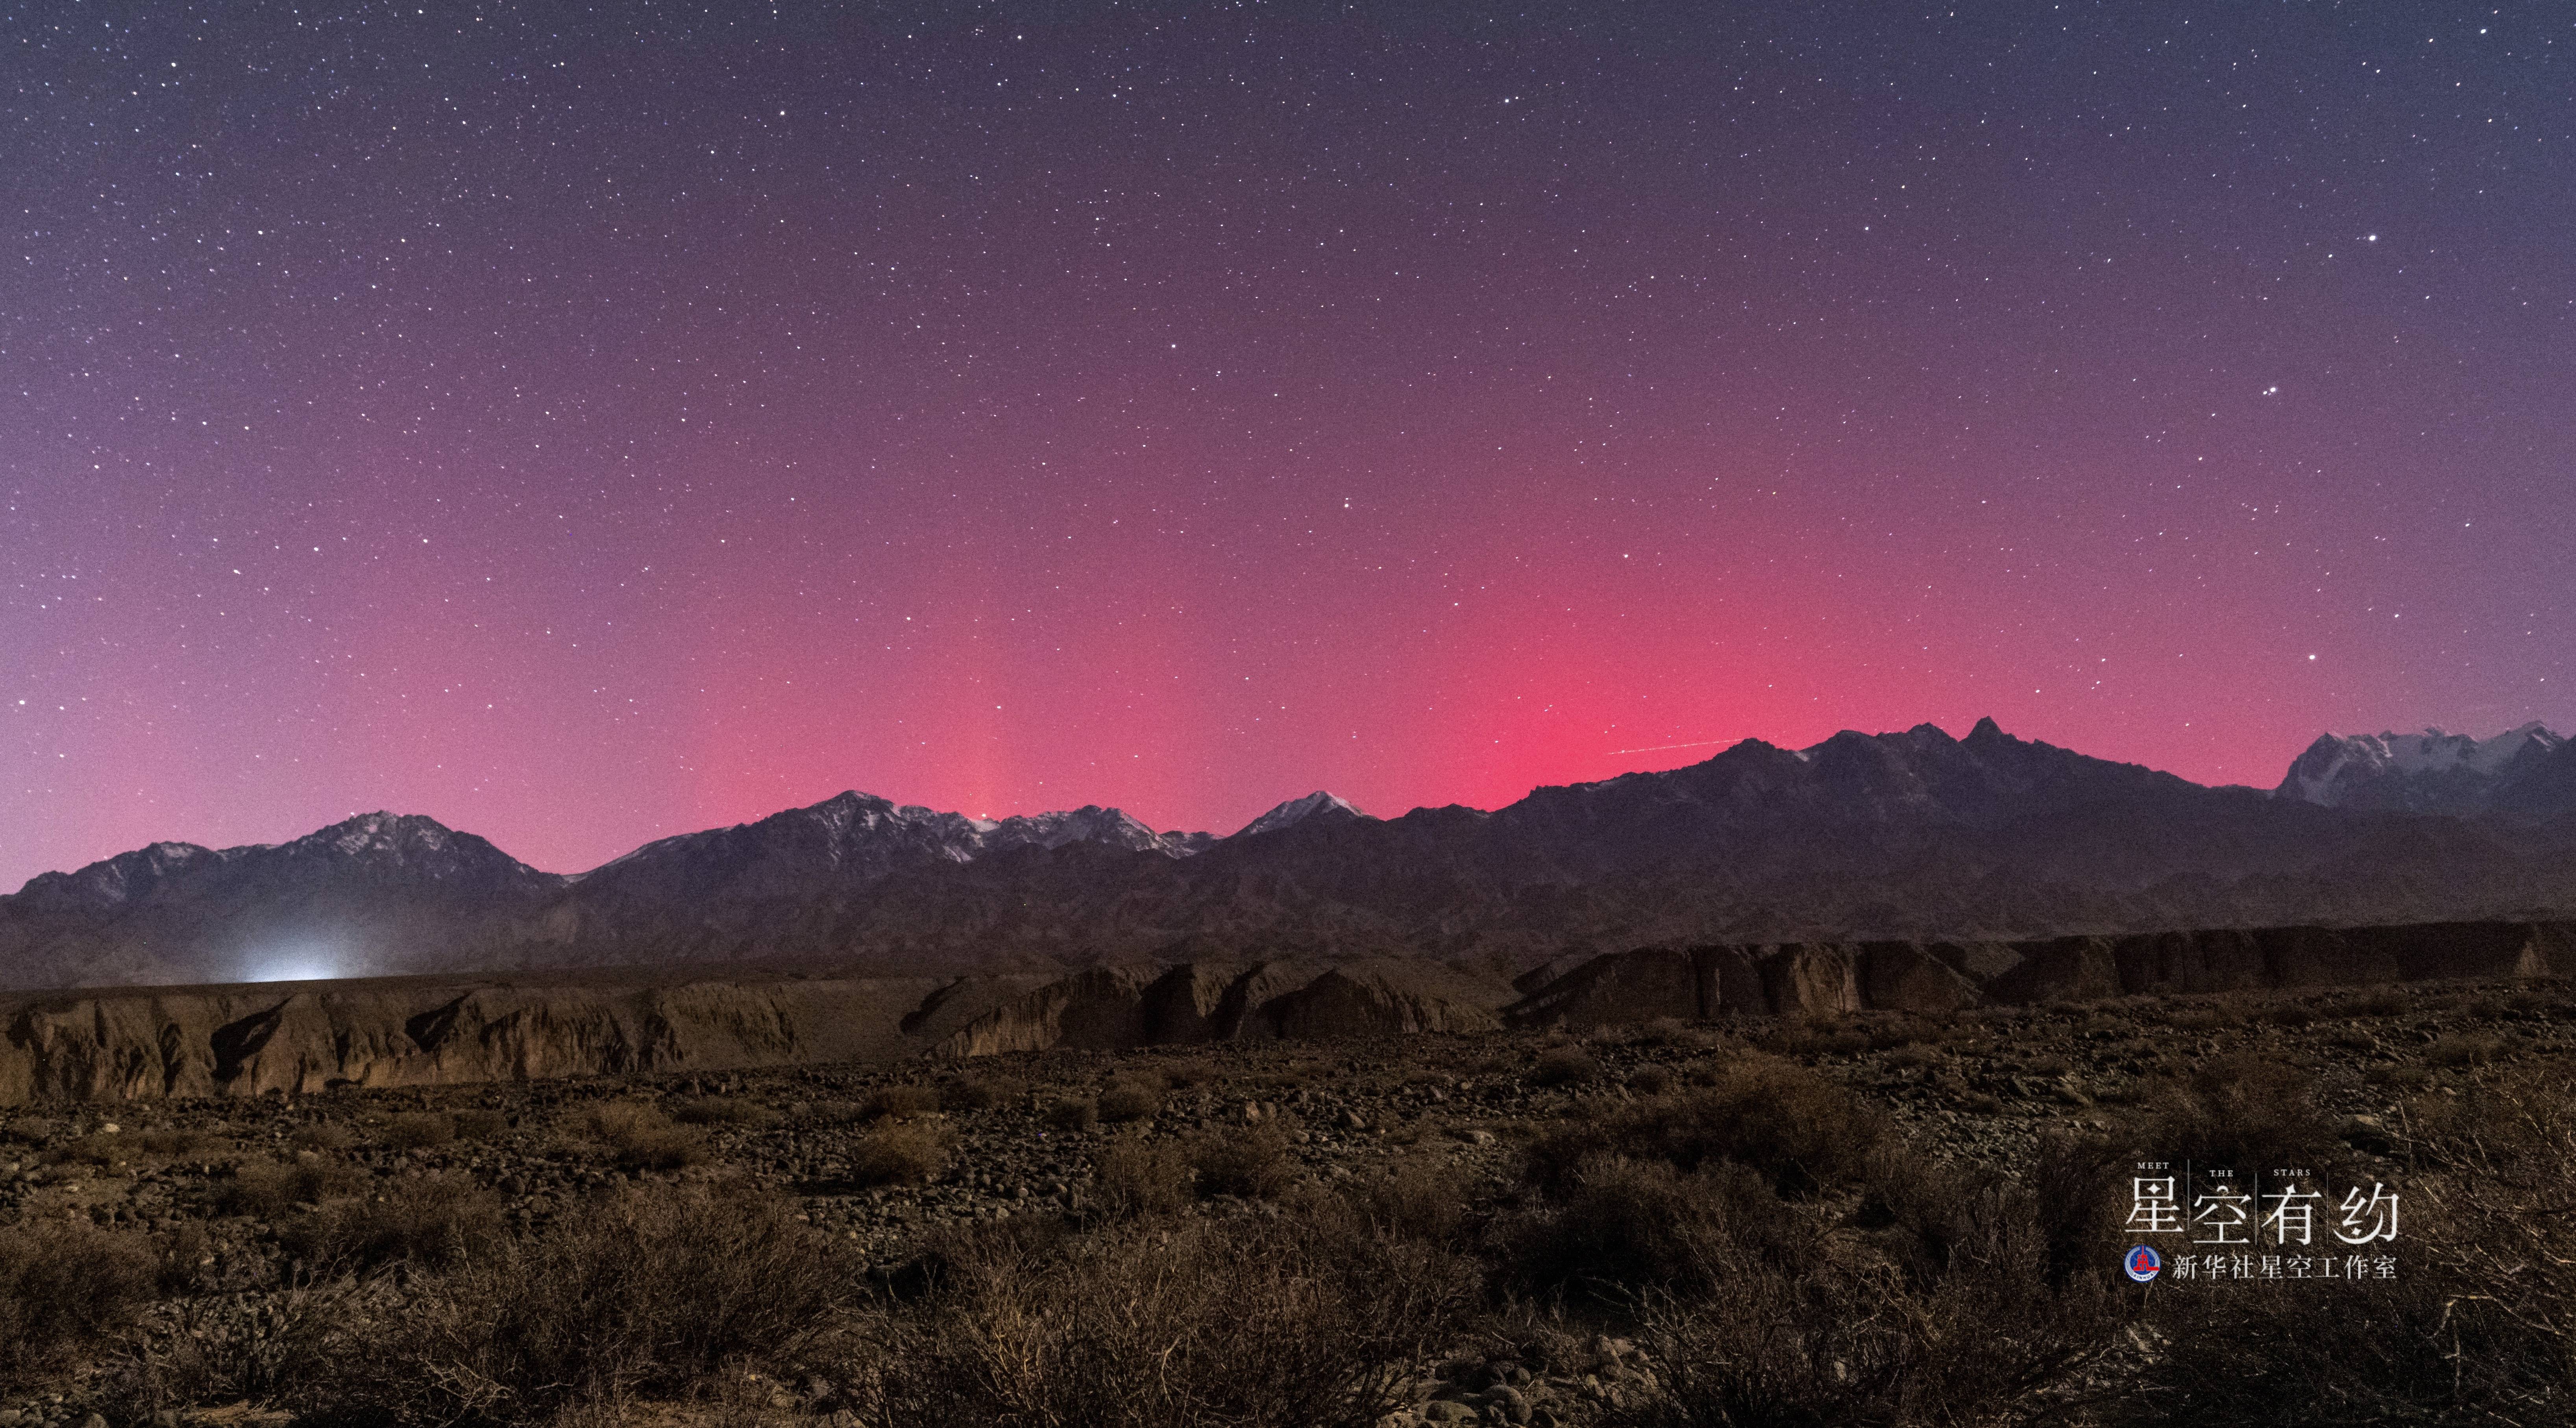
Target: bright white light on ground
x=295, y=962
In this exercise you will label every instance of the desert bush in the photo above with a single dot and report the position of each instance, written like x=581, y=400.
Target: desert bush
x=430, y=1220
x=981, y=1093
x=899, y=1152
x=1073, y=1113
x=1624, y=1225
x=1563, y=1066
x=1248, y=1161
x=1129, y=1100
x=723, y=1111
x=2464, y=1048
x=2398, y=1077
x=1977, y=1334
x=1798, y=1129
x=210, y=1350
x=902, y=1102
x=1237, y=1322
x=1666, y=1031
x=1417, y=1200
x=418, y=1130
x=179, y=1258
x=64, y=1289
x=2476, y=1325
x=1817, y=1036
x=322, y=1137
x=269, y=1188
x=1914, y=1056
x=642, y=1294
x=2239, y=1111
x=99, y=1150
x=641, y=1137
x=176, y=1144
x=477, y=1123
x=1137, y=1177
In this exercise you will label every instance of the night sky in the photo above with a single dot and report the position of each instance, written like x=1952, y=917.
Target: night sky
x=584, y=424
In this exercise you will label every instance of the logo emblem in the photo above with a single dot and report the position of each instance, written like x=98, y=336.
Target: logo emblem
x=2144, y=1263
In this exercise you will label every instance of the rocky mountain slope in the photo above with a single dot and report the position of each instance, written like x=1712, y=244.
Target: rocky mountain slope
x=1913, y=835
x=2430, y=772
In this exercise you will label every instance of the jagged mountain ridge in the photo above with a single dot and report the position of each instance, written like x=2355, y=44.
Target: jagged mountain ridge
x=2428, y=772
x=1913, y=834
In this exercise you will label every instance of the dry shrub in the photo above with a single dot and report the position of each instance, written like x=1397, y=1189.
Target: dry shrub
x=269, y=1188
x=176, y=1144
x=2240, y=1112
x=99, y=1150
x=477, y=1123
x=418, y=1130
x=322, y=1137
x=2398, y=1077
x=1129, y=1100
x=1136, y=1177
x=902, y=1102
x=211, y=1350
x=1417, y=1200
x=2464, y=1048
x=1914, y=1057
x=2477, y=1326
x=1798, y=1129
x=899, y=1153
x=641, y=1137
x=179, y=1258
x=1666, y=1031
x=1793, y=1334
x=724, y=1111
x=1073, y=1113
x=1813, y=1036
x=1563, y=1066
x=1245, y=1323
x=638, y=1294
x=65, y=1288
x=981, y=1093
x=1250, y=1162
x=431, y=1220
x=1623, y=1225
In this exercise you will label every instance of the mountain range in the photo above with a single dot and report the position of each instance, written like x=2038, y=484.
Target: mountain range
x=1903, y=835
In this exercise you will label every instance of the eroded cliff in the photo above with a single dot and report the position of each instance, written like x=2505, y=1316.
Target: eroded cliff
x=294, y=1038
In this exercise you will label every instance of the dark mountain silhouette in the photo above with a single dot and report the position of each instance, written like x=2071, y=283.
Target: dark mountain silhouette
x=1912, y=835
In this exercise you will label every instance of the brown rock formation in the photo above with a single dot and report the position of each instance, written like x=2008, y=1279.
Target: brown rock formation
x=1941, y=976
x=293, y=1038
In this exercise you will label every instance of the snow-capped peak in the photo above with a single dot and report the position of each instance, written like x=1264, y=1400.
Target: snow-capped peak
x=2335, y=767
x=1298, y=810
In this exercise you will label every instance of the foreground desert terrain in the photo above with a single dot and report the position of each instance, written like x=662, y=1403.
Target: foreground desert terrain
x=1875, y=1217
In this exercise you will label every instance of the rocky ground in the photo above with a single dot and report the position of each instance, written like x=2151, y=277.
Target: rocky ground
x=230, y=1189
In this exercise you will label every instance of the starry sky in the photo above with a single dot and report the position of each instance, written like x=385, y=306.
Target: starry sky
x=588, y=423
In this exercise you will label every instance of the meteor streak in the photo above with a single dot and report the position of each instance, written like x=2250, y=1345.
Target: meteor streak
x=1659, y=748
